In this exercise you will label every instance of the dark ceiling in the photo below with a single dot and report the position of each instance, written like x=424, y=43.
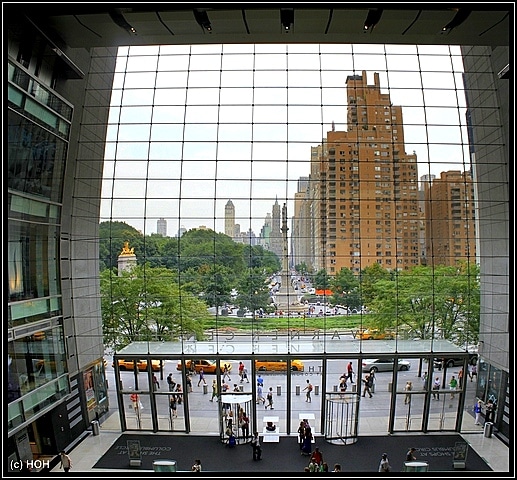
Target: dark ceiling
x=79, y=25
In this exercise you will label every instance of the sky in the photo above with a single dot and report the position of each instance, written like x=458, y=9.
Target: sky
x=192, y=127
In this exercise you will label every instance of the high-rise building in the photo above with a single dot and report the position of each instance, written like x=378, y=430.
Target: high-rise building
x=161, y=227
x=450, y=231
x=365, y=187
x=229, y=219
x=275, y=236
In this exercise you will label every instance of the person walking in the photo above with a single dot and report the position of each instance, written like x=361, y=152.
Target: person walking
x=173, y=405
x=257, y=450
x=436, y=388
x=367, y=386
x=301, y=433
x=244, y=424
x=477, y=412
x=407, y=389
x=241, y=371
x=156, y=383
x=214, y=390
x=189, y=383
x=66, y=462
x=384, y=465
x=226, y=373
x=260, y=395
x=269, y=397
x=453, y=385
x=201, y=377
x=460, y=378
x=170, y=382
x=350, y=372
x=473, y=372
x=308, y=390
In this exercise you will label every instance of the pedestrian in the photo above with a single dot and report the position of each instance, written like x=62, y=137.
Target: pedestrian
x=436, y=388
x=317, y=457
x=453, y=385
x=179, y=393
x=173, y=405
x=490, y=411
x=197, y=466
x=66, y=461
x=226, y=373
x=257, y=450
x=245, y=375
x=301, y=433
x=260, y=381
x=201, y=376
x=324, y=467
x=156, y=383
x=308, y=389
x=313, y=466
x=473, y=372
x=214, y=390
x=342, y=384
x=241, y=371
x=424, y=381
x=170, y=382
x=244, y=424
x=372, y=378
x=189, y=383
x=367, y=386
x=307, y=442
x=407, y=389
x=384, y=465
x=350, y=372
x=337, y=467
x=477, y=412
x=269, y=398
x=410, y=455
x=260, y=395
x=460, y=378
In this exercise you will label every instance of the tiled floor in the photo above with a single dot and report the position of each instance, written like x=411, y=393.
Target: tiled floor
x=90, y=450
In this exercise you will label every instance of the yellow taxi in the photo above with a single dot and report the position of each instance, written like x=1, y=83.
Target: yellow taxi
x=278, y=365
x=141, y=365
x=375, y=334
x=208, y=366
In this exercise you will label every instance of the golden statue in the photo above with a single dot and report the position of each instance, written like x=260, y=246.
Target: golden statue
x=126, y=250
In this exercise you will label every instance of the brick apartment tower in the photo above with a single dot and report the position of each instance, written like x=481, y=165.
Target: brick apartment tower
x=365, y=187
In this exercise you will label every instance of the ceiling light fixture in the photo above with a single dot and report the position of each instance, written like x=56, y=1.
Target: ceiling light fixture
x=373, y=17
x=203, y=20
x=287, y=18
x=459, y=18
x=119, y=19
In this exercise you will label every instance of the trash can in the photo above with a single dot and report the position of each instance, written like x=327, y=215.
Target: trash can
x=164, y=465
x=279, y=389
x=334, y=387
x=297, y=389
x=95, y=427
x=488, y=429
x=205, y=388
x=241, y=388
x=316, y=389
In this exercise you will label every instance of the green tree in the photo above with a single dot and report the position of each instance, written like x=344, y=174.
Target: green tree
x=321, y=280
x=368, y=277
x=345, y=288
x=253, y=291
x=429, y=302
x=147, y=304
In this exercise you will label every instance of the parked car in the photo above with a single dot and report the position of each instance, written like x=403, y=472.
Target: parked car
x=208, y=366
x=278, y=365
x=375, y=334
x=384, y=364
x=141, y=365
x=455, y=361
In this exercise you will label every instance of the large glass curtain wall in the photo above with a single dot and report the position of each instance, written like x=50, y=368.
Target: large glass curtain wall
x=325, y=191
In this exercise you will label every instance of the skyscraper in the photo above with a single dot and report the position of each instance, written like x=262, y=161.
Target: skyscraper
x=161, y=227
x=364, y=187
x=229, y=219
